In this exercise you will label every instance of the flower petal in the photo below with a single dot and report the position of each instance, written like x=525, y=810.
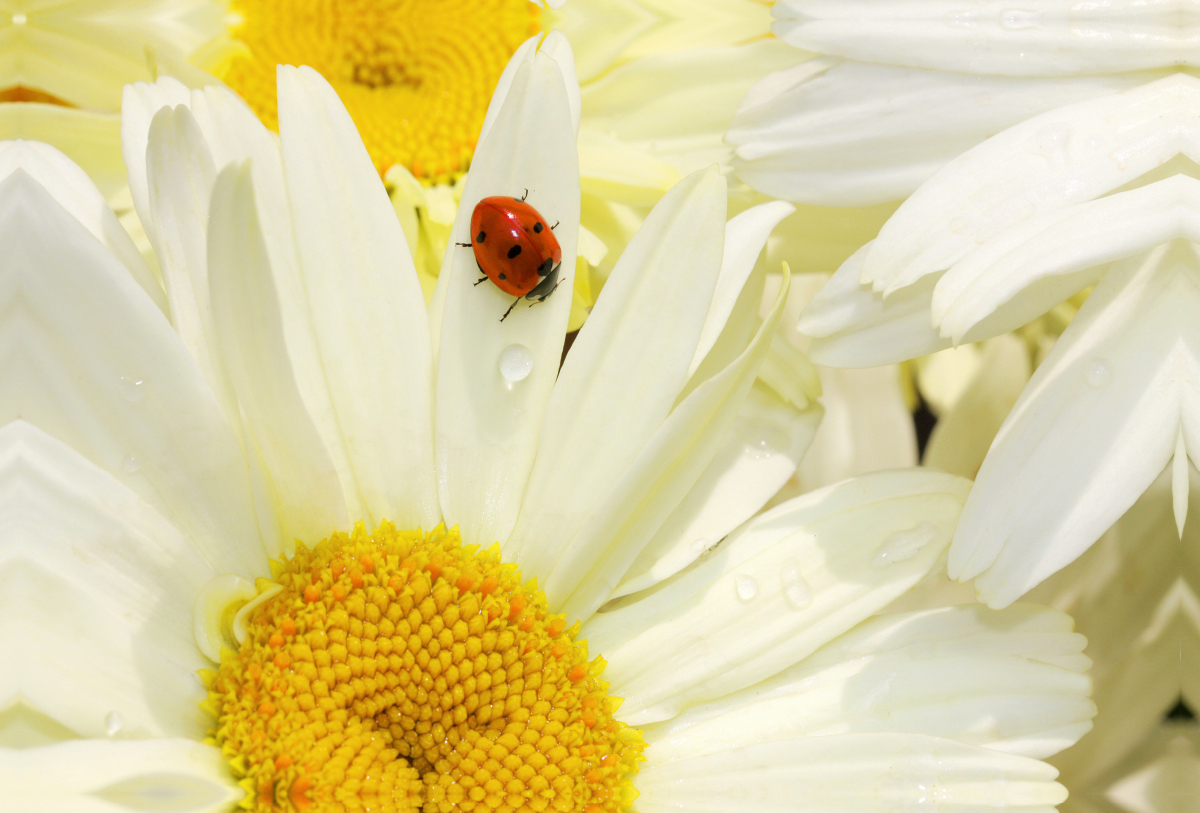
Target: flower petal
x=765, y=444
x=745, y=236
x=660, y=478
x=102, y=371
x=1032, y=266
x=1010, y=680
x=553, y=45
x=366, y=303
x=839, y=133
x=852, y=773
x=76, y=193
x=307, y=493
x=1055, y=38
x=96, y=620
x=625, y=370
x=96, y=776
x=791, y=580
x=1095, y=425
x=488, y=425
x=854, y=326
x=1067, y=156
x=140, y=102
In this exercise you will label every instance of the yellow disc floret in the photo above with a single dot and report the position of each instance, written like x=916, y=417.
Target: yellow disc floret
x=399, y=671
x=416, y=75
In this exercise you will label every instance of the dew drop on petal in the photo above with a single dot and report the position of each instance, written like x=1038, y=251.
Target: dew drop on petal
x=130, y=464
x=759, y=450
x=113, y=723
x=131, y=389
x=746, y=586
x=700, y=545
x=904, y=545
x=516, y=362
x=795, y=589
x=1097, y=373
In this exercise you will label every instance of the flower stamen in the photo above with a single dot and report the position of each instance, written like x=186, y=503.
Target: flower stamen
x=399, y=670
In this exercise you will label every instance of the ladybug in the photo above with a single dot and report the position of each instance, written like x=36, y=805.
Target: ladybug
x=515, y=249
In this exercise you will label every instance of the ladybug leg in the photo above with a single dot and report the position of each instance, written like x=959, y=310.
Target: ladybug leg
x=481, y=279
x=525, y=196
x=552, y=228
x=510, y=307
x=464, y=245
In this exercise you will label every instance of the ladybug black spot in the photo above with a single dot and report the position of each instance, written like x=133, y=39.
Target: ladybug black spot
x=537, y=227
x=502, y=275
x=513, y=252
x=545, y=267
x=479, y=238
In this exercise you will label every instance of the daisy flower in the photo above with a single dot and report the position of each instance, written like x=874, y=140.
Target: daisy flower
x=285, y=411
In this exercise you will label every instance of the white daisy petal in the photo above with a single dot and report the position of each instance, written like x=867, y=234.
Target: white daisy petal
x=102, y=371
x=366, y=303
x=140, y=101
x=854, y=773
x=89, y=776
x=180, y=174
x=867, y=427
x=1095, y=425
x=765, y=444
x=1054, y=38
x=1047, y=258
x=839, y=133
x=90, y=138
x=234, y=134
x=488, y=423
x=696, y=93
x=616, y=171
x=961, y=437
x=97, y=597
x=790, y=581
x=609, y=401
x=745, y=236
x=659, y=479
x=557, y=47
x=1010, y=680
x=1067, y=156
x=853, y=326
x=307, y=492
x=76, y=193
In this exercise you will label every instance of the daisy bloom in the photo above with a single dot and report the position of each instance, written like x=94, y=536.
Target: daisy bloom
x=385, y=538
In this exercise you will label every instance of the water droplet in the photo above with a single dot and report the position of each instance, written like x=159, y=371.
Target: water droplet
x=1014, y=19
x=131, y=389
x=747, y=587
x=113, y=723
x=1097, y=372
x=19, y=19
x=130, y=464
x=904, y=545
x=516, y=362
x=795, y=589
x=700, y=545
x=759, y=450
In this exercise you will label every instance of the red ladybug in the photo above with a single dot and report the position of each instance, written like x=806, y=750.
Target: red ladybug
x=515, y=248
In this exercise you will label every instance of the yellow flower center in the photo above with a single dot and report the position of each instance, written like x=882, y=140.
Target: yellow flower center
x=398, y=671
x=416, y=75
